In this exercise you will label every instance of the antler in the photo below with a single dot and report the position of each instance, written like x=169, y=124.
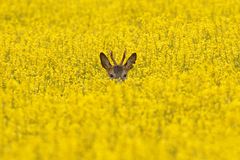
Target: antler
x=111, y=54
x=123, y=58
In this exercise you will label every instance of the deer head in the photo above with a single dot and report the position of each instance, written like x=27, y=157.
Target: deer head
x=117, y=71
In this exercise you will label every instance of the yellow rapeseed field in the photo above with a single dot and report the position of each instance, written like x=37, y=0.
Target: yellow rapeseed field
x=180, y=101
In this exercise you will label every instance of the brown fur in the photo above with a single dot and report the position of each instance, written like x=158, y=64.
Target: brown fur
x=117, y=71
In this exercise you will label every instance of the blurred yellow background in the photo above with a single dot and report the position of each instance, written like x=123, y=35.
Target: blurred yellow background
x=180, y=101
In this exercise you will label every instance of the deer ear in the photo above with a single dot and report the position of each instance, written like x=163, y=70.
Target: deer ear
x=105, y=62
x=131, y=60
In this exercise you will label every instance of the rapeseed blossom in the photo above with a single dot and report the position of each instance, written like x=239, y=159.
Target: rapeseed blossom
x=180, y=101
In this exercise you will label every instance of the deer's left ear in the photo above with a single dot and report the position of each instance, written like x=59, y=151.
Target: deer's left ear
x=131, y=60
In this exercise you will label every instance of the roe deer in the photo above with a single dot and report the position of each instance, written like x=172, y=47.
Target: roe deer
x=117, y=71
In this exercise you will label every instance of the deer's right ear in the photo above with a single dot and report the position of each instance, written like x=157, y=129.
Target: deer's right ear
x=105, y=62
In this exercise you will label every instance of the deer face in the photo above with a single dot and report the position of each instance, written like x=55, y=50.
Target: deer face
x=117, y=71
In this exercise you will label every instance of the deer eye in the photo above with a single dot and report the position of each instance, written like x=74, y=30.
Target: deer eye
x=125, y=75
x=111, y=75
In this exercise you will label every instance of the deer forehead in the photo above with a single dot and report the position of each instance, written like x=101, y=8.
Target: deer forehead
x=118, y=69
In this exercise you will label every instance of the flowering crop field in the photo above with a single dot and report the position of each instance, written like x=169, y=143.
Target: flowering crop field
x=180, y=101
